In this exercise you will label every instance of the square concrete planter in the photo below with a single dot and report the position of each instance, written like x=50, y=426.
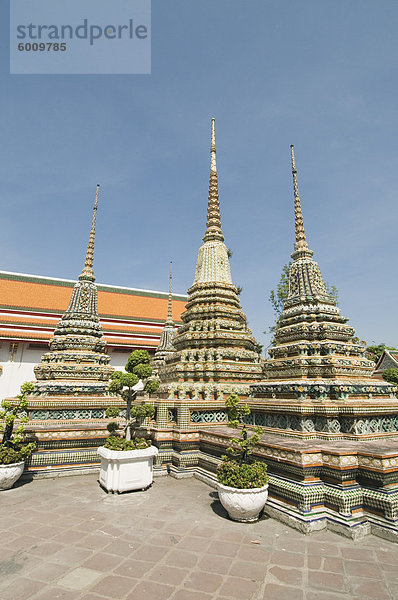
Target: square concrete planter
x=125, y=471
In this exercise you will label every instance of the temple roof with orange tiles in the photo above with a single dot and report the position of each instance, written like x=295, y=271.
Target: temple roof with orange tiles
x=31, y=306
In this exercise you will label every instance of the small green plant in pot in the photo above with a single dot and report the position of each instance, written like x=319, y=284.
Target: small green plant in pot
x=242, y=481
x=130, y=450
x=14, y=450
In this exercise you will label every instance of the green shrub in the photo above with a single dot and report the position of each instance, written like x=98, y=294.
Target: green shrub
x=123, y=385
x=112, y=412
x=240, y=448
x=122, y=380
x=238, y=469
x=151, y=386
x=142, y=371
x=245, y=476
x=140, y=411
x=114, y=442
x=391, y=375
x=13, y=447
x=112, y=427
x=16, y=454
x=137, y=357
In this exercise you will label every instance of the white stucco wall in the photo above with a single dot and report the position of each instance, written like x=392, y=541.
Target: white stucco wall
x=20, y=368
x=118, y=359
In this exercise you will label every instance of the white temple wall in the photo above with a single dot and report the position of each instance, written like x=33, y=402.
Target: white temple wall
x=19, y=358
x=118, y=359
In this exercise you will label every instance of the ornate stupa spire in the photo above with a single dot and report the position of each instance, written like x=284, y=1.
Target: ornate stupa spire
x=215, y=352
x=319, y=381
x=169, y=319
x=305, y=278
x=165, y=346
x=300, y=247
x=312, y=338
x=213, y=262
x=77, y=357
x=71, y=391
x=87, y=272
x=213, y=226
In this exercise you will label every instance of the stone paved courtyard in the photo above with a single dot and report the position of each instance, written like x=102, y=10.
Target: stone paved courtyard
x=66, y=538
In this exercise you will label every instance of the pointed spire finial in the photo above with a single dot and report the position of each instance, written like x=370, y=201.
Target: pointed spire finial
x=87, y=272
x=213, y=227
x=213, y=164
x=169, y=320
x=301, y=245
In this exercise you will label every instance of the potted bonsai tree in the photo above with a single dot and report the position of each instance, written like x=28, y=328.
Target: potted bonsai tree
x=127, y=457
x=13, y=448
x=242, y=481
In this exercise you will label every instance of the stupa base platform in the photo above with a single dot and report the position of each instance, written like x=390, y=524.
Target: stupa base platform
x=67, y=431
x=327, y=419
x=308, y=523
x=348, y=487
x=65, y=446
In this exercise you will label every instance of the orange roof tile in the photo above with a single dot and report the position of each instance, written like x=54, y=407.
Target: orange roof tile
x=30, y=307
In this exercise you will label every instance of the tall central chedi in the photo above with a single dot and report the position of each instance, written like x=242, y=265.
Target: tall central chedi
x=215, y=352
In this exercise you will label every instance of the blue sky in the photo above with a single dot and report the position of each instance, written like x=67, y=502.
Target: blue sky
x=321, y=75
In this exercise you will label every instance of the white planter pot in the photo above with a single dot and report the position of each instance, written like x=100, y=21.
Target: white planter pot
x=243, y=505
x=9, y=474
x=124, y=471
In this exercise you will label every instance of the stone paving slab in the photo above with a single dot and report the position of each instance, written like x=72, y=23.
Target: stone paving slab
x=67, y=539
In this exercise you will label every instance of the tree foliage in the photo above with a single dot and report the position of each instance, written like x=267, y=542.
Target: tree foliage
x=12, y=447
x=11, y=412
x=243, y=477
x=151, y=386
x=277, y=297
x=137, y=368
x=142, y=371
x=241, y=448
x=391, y=375
x=136, y=358
x=375, y=351
x=122, y=384
x=238, y=470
